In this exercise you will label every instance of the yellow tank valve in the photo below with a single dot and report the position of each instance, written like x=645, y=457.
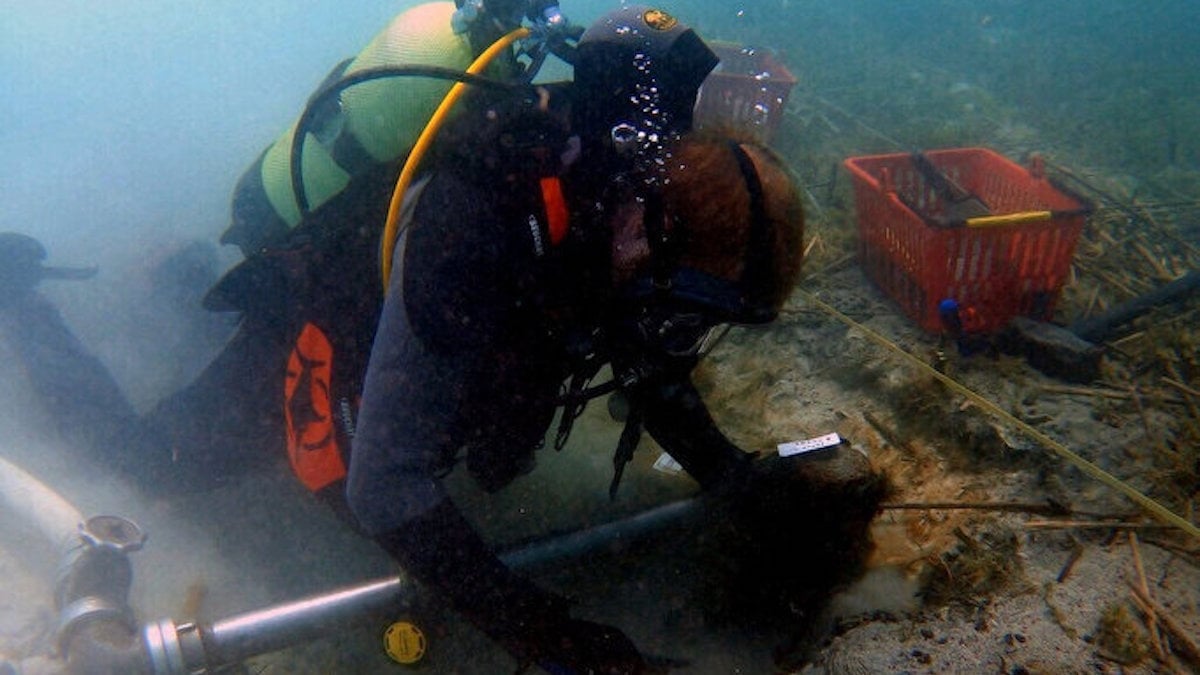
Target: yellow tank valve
x=404, y=642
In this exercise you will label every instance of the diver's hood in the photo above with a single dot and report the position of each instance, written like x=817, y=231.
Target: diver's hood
x=638, y=66
x=20, y=250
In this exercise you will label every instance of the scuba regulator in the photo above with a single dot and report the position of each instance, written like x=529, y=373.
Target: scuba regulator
x=487, y=21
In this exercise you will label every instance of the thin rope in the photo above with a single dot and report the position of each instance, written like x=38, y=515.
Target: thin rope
x=1151, y=506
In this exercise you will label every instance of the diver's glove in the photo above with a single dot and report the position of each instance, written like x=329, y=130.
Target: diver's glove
x=441, y=550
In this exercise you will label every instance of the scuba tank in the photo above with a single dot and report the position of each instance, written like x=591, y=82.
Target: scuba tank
x=371, y=123
x=371, y=111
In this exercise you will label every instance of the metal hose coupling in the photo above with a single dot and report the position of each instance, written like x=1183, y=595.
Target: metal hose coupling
x=95, y=580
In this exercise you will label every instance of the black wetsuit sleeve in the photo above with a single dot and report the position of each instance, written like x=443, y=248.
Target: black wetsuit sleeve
x=79, y=395
x=218, y=425
x=226, y=421
x=677, y=418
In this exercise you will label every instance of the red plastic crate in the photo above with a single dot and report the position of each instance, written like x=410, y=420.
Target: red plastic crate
x=747, y=91
x=1010, y=265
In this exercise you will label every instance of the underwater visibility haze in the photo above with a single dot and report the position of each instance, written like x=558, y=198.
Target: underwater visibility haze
x=125, y=126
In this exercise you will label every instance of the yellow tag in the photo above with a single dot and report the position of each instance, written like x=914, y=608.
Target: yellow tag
x=404, y=642
x=659, y=20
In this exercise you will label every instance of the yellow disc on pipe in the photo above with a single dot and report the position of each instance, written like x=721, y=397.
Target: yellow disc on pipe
x=404, y=642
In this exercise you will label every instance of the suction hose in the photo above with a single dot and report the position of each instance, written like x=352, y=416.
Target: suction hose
x=29, y=500
x=182, y=649
x=97, y=633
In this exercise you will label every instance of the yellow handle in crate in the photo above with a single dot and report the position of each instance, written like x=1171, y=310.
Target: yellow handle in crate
x=1010, y=219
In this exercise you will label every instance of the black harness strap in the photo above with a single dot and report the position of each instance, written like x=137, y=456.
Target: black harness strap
x=662, y=245
x=757, y=264
x=630, y=436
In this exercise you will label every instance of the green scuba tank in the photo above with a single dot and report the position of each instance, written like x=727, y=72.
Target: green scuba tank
x=369, y=123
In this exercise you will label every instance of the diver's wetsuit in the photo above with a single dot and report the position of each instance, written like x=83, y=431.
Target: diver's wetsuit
x=476, y=337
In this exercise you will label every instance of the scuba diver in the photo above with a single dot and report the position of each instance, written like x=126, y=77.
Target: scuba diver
x=543, y=245
x=553, y=229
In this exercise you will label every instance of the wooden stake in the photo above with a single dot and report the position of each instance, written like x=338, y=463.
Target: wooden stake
x=1113, y=281
x=888, y=434
x=1020, y=507
x=1151, y=435
x=831, y=267
x=813, y=200
x=1188, y=400
x=1129, y=338
x=1162, y=272
x=1181, y=643
x=1076, y=554
x=1084, y=391
x=1102, y=393
x=812, y=242
x=1151, y=620
x=1181, y=387
x=1094, y=525
x=1091, y=303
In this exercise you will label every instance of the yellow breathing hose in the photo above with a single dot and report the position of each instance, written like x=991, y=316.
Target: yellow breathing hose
x=424, y=141
x=1154, y=508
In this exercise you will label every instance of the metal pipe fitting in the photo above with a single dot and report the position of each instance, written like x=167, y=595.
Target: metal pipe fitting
x=97, y=631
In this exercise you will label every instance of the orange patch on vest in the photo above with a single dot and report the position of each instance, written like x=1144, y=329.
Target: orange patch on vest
x=557, y=215
x=308, y=410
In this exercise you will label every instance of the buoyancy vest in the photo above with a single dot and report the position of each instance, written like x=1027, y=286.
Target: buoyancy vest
x=369, y=124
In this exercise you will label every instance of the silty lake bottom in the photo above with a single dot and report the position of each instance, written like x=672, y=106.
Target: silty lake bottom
x=992, y=551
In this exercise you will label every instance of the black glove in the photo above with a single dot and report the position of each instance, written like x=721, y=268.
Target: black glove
x=441, y=550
